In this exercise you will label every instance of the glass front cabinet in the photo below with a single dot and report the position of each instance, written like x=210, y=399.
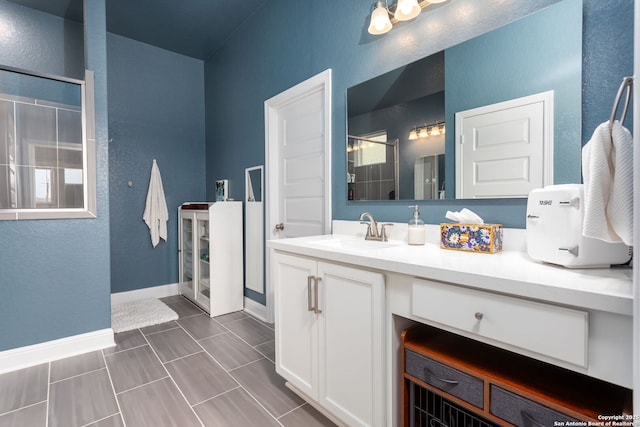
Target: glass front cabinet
x=210, y=255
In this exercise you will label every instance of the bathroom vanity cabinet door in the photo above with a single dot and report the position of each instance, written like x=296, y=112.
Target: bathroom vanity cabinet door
x=351, y=344
x=296, y=328
x=330, y=336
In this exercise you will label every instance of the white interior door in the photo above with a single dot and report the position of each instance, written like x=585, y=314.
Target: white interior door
x=505, y=149
x=298, y=163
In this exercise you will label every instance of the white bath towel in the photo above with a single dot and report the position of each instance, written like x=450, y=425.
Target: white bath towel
x=156, y=214
x=607, y=170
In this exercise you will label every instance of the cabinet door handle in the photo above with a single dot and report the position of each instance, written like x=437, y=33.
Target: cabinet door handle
x=317, y=309
x=444, y=380
x=309, y=300
x=529, y=418
x=280, y=227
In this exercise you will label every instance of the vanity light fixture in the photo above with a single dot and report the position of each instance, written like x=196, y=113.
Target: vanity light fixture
x=383, y=17
x=425, y=131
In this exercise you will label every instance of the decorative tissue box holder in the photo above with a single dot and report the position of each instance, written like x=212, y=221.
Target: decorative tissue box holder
x=484, y=238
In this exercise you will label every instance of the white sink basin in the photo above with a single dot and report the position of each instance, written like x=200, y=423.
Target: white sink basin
x=353, y=244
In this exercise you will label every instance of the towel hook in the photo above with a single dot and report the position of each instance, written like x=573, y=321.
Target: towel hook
x=627, y=83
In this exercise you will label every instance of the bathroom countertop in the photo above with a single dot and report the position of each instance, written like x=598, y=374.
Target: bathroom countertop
x=509, y=272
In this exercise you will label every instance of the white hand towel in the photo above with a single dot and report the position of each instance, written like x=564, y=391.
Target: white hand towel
x=607, y=169
x=156, y=214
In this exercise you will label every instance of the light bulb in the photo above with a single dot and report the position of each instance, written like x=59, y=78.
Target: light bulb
x=413, y=135
x=380, y=22
x=423, y=133
x=407, y=9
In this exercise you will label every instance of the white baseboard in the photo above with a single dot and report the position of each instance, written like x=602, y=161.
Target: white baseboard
x=32, y=355
x=153, y=292
x=255, y=309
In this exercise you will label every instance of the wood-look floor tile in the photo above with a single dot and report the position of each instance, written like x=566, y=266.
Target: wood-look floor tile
x=126, y=340
x=268, y=349
x=113, y=421
x=172, y=344
x=28, y=386
x=260, y=379
x=232, y=409
x=251, y=331
x=157, y=404
x=229, y=350
x=159, y=328
x=202, y=326
x=172, y=299
x=81, y=400
x=262, y=322
x=199, y=377
x=230, y=317
x=185, y=308
x=135, y=367
x=76, y=365
x=32, y=416
x=306, y=416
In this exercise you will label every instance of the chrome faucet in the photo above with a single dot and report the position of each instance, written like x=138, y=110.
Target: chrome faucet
x=372, y=228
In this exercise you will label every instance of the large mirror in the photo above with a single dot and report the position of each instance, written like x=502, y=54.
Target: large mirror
x=401, y=128
x=254, y=228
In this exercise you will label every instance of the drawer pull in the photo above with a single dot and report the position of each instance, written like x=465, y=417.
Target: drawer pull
x=479, y=315
x=444, y=380
x=530, y=419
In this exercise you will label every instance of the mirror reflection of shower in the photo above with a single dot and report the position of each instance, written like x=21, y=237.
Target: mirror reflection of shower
x=372, y=167
x=428, y=177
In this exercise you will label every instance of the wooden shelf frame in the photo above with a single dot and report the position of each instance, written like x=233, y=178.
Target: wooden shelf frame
x=570, y=393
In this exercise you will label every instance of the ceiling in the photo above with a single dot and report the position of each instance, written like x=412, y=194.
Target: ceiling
x=195, y=28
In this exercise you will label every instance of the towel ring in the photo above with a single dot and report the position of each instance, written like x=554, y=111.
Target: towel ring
x=627, y=83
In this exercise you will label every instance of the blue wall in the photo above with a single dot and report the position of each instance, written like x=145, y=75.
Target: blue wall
x=290, y=41
x=54, y=278
x=156, y=110
x=55, y=274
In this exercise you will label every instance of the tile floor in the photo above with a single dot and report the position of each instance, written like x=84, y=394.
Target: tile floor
x=190, y=372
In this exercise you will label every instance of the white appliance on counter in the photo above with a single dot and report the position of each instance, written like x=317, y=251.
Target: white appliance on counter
x=554, y=231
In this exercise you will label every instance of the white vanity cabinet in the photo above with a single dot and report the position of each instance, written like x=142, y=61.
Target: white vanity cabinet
x=330, y=336
x=210, y=255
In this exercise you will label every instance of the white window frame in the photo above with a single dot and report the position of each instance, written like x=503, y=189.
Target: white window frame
x=89, y=210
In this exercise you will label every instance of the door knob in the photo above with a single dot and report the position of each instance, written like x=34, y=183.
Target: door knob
x=280, y=227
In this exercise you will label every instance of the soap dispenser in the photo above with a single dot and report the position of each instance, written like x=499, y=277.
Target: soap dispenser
x=416, y=228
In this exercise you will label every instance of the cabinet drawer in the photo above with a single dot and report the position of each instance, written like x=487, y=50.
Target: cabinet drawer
x=523, y=412
x=452, y=381
x=546, y=329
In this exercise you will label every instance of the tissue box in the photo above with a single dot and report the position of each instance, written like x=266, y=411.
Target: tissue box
x=484, y=238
